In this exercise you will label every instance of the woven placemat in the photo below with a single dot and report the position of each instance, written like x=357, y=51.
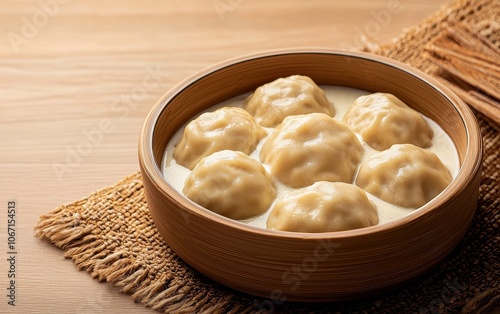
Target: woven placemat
x=111, y=235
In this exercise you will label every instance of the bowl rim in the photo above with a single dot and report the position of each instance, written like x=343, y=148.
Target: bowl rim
x=470, y=165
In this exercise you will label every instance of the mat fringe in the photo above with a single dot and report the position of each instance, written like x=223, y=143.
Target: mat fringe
x=104, y=260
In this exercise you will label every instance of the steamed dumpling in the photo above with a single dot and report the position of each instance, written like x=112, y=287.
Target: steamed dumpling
x=323, y=207
x=293, y=95
x=383, y=120
x=232, y=184
x=309, y=148
x=404, y=175
x=229, y=128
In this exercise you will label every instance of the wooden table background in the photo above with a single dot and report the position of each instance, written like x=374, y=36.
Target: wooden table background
x=77, y=79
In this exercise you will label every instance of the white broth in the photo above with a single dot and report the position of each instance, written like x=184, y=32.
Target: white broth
x=341, y=98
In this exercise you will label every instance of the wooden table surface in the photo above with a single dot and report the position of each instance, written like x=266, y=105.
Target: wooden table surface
x=67, y=67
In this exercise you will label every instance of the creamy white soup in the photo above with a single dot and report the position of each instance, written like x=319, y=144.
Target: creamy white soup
x=341, y=98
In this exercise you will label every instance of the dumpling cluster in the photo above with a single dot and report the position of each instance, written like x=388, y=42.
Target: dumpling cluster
x=314, y=154
x=231, y=184
x=305, y=149
x=229, y=128
x=323, y=207
x=383, y=120
x=293, y=95
x=404, y=175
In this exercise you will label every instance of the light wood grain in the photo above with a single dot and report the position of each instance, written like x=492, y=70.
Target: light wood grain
x=84, y=65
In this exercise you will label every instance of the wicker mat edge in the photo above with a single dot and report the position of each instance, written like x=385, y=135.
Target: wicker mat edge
x=71, y=228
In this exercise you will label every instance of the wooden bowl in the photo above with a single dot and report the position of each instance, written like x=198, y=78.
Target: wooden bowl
x=306, y=266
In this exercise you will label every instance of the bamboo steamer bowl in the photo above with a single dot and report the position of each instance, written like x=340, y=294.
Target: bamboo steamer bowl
x=307, y=266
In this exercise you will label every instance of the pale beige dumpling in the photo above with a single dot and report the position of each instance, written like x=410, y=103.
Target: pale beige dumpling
x=404, y=175
x=232, y=184
x=229, y=128
x=323, y=207
x=383, y=120
x=309, y=148
x=293, y=95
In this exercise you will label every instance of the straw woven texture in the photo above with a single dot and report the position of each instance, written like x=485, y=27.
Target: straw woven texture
x=111, y=235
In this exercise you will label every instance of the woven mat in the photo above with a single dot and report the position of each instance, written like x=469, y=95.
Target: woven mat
x=111, y=235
